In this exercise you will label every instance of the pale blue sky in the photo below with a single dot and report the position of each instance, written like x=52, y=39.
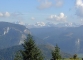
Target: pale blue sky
x=32, y=11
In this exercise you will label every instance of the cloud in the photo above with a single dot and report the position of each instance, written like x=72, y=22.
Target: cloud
x=58, y=18
x=17, y=16
x=44, y=4
x=20, y=22
x=1, y=14
x=32, y=18
x=58, y=3
x=40, y=24
x=52, y=24
x=47, y=4
x=36, y=25
x=14, y=16
x=81, y=21
x=79, y=8
x=79, y=3
x=6, y=14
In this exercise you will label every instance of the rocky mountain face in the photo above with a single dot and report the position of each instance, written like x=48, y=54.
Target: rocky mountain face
x=12, y=34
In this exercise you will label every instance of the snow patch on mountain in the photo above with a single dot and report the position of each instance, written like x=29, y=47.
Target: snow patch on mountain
x=77, y=43
x=6, y=30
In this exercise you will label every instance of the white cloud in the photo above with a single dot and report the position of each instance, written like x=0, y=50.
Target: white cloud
x=58, y=18
x=32, y=18
x=58, y=3
x=1, y=14
x=6, y=14
x=81, y=21
x=45, y=4
x=36, y=25
x=40, y=24
x=16, y=16
x=20, y=22
x=52, y=24
x=79, y=8
x=79, y=3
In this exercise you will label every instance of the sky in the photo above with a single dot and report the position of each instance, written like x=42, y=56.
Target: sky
x=41, y=12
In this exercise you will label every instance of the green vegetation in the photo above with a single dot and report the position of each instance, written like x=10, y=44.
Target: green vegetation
x=31, y=52
x=56, y=53
x=18, y=56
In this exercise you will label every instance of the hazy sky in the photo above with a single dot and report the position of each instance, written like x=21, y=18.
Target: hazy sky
x=41, y=11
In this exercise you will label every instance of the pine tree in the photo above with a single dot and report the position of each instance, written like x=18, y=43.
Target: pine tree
x=18, y=56
x=31, y=52
x=56, y=53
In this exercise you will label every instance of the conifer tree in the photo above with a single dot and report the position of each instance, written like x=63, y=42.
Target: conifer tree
x=31, y=51
x=18, y=56
x=56, y=53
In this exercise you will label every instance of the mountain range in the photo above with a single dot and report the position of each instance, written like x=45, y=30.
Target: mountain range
x=48, y=24
x=69, y=39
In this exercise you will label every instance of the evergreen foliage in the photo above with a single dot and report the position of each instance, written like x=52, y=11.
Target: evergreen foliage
x=18, y=56
x=31, y=52
x=56, y=53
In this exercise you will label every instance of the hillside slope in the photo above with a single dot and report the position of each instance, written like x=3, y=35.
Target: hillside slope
x=12, y=34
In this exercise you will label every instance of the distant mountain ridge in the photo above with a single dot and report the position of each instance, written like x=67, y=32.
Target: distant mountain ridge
x=70, y=39
x=67, y=38
x=12, y=34
x=48, y=24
